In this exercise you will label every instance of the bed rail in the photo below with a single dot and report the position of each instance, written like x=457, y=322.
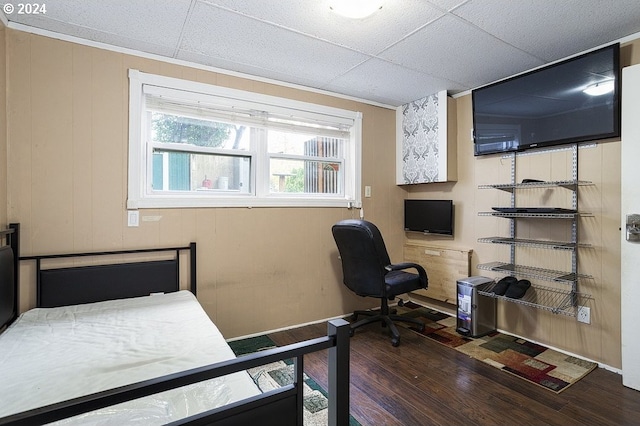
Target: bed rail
x=269, y=407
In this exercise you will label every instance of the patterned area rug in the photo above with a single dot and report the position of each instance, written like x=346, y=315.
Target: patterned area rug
x=277, y=374
x=550, y=369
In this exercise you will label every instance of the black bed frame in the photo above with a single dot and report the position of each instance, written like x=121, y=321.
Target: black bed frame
x=9, y=279
x=68, y=286
x=65, y=286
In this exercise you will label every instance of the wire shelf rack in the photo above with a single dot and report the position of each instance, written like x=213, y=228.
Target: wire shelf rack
x=555, y=245
x=532, y=272
x=546, y=298
x=567, y=215
x=510, y=187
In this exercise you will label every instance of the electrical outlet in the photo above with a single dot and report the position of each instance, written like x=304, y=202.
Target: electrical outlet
x=584, y=314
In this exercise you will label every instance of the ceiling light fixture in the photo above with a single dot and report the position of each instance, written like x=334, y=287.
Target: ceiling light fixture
x=356, y=9
x=600, y=88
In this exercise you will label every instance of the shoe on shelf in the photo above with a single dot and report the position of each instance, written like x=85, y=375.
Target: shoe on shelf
x=518, y=290
x=501, y=286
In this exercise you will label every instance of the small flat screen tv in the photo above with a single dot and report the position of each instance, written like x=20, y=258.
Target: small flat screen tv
x=551, y=105
x=429, y=216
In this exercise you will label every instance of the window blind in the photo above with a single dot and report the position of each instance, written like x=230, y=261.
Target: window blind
x=253, y=114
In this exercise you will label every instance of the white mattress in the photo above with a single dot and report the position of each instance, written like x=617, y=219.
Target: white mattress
x=54, y=354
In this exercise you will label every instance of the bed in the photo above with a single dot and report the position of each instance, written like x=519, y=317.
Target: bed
x=119, y=342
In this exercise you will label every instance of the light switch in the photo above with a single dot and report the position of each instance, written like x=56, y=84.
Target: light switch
x=133, y=218
x=367, y=191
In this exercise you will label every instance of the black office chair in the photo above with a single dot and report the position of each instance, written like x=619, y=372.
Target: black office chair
x=368, y=272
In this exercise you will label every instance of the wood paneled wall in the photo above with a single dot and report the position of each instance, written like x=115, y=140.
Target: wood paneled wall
x=600, y=340
x=259, y=269
x=262, y=269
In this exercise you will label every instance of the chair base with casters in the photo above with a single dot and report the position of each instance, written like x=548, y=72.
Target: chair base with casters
x=386, y=317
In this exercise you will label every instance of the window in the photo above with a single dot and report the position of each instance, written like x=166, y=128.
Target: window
x=197, y=145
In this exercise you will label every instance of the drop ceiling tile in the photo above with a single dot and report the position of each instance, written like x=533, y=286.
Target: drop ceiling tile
x=456, y=50
x=246, y=69
x=554, y=30
x=431, y=44
x=447, y=4
x=394, y=21
x=117, y=22
x=242, y=40
x=110, y=39
x=389, y=83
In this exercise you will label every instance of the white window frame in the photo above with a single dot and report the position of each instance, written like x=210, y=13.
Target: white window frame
x=140, y=194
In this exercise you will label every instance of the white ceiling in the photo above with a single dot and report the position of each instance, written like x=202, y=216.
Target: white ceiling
x=407, y=50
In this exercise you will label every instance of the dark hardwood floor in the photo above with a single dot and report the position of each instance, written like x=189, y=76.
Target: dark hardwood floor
x=424, y=383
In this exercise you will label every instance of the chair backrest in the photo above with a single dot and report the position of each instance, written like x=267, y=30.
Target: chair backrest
x=364, y=256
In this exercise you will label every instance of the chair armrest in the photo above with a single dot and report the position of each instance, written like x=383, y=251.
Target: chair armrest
x=404, y=265
x=407, y=265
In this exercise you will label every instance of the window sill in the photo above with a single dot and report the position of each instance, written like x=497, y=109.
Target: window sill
x=239, y=201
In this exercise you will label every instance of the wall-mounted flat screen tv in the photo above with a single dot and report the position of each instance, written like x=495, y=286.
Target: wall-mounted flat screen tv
x=429, y=216
x=576, y=100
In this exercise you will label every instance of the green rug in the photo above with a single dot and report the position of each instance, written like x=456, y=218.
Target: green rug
x=535, y=363
x=277, y=374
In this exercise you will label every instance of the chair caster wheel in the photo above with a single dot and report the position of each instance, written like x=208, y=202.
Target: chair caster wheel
x=351, y=332
x=395, y=342
x=400, y=303
x=421, y=329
